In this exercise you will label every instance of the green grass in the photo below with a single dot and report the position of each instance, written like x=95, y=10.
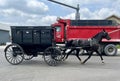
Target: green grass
x=118, y=46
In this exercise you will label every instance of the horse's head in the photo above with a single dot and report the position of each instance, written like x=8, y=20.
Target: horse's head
x=106, y=35
x=98, y=37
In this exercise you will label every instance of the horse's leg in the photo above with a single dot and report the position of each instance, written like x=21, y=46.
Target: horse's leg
x=68, y=54
x=100, y=56
x=64, y=54
x=77, y=55
x=90, y=54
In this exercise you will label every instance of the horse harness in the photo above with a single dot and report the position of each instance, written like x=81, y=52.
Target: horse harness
x=92, y=41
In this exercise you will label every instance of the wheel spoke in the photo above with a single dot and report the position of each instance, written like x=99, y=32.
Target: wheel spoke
x=9, y=59
x=13, y=61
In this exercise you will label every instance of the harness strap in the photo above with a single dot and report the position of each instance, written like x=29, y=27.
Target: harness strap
x=90, y=40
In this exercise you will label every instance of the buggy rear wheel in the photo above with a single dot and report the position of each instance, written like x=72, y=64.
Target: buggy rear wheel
x=14, y=54
x=52, y=56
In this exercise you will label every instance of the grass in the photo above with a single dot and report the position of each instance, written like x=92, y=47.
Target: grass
x=118, y=46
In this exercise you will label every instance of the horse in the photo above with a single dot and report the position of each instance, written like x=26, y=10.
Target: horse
x=91, y=45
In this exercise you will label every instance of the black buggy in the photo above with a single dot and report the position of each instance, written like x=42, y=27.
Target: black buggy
x=29, y=42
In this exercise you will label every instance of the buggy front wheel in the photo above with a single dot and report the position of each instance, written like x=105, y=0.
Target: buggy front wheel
x=52, y=56
x=14, y=54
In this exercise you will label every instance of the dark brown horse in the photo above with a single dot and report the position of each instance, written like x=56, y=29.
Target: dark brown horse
x=91, y=45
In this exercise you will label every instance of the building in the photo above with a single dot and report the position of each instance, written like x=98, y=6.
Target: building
x=4, y=34
x=115, y=18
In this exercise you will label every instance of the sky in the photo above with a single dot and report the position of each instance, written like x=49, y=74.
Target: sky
x=44, y=12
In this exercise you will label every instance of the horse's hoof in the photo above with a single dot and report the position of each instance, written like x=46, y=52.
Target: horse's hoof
x=82, y=62
x=103, y=62
x=63, y=59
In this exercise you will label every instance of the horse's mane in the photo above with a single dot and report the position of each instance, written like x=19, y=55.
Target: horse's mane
x=97, y=35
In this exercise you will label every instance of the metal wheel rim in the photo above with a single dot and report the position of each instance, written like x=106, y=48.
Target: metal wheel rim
x=111, y=50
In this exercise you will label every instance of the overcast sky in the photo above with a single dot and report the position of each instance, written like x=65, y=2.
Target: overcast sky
x=44, y=12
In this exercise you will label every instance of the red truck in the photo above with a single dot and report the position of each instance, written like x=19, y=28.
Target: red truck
x=66, y=29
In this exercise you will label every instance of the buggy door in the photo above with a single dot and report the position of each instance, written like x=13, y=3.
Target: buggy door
x=27, y=36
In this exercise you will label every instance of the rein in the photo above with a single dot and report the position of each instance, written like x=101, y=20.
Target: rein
x=113, y=31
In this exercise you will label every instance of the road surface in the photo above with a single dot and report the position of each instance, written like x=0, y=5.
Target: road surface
x=70, y=70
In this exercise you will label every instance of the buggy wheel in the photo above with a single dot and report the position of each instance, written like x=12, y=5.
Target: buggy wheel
x=28, y=57
x=52, y=56
x=14, y=54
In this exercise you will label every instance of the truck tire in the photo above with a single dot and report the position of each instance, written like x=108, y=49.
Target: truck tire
x=110, y=50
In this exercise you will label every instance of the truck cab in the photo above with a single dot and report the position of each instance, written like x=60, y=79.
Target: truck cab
x=59, y=31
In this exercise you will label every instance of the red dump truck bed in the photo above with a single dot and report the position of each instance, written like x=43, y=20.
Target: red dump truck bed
x=86, y=32
x=84, y=29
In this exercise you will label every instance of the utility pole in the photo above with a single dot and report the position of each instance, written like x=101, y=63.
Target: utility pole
x=77, y=15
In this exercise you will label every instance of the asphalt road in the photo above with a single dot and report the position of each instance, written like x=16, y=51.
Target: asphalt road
x=70, y=70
